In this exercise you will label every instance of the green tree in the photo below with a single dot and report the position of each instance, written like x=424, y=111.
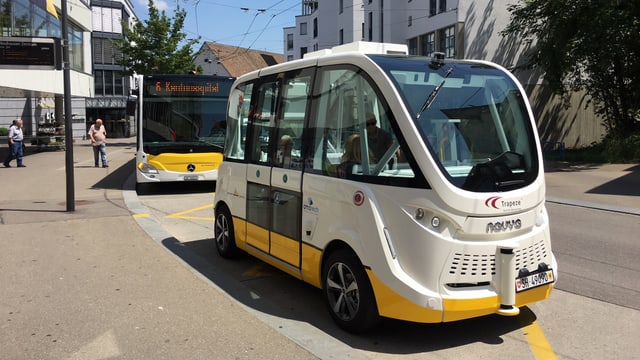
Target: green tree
x=157, y=46
x=589, y=45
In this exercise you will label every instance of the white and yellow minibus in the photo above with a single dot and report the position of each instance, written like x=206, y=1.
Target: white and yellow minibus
x=403, y=186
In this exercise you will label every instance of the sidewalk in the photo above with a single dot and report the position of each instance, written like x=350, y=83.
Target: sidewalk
x=91, y=284
x=614, y=187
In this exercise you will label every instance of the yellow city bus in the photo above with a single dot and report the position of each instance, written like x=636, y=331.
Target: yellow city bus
x=403, y=186
x=181, y=121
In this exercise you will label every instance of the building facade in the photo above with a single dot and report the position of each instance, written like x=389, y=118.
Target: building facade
x=111, y=86
x=36, y=94
x=458, y=28
x=97, y=87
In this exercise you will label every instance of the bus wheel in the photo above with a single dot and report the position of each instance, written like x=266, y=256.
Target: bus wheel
x=348, y=293
x=223, y=233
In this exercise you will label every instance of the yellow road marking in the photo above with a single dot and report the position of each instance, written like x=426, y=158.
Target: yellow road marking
x=538, y=343
x=181, y=215
x=138, y=216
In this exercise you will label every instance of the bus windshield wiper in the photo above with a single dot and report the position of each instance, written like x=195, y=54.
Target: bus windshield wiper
x=433, y=94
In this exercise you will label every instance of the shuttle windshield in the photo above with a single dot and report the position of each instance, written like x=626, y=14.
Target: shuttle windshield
x=473, y=119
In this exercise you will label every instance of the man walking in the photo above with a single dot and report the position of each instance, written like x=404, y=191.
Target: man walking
x=15, y=144
x=98, y=136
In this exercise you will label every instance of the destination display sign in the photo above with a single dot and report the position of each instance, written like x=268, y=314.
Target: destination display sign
x=29, y=53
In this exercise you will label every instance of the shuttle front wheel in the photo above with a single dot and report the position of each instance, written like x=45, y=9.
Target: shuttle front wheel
x=224, y=234
x=348, y=292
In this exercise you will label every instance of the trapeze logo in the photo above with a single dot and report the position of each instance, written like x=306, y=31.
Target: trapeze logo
x=496, y=202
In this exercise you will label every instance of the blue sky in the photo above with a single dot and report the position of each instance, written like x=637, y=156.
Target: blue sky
x=255, y=24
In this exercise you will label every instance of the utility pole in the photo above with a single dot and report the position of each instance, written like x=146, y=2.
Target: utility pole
x=68, y=123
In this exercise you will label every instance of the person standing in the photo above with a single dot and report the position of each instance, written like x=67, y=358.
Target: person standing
x=98, y=136
x=15, y=138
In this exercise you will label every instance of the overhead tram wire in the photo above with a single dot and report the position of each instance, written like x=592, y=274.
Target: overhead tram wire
x=231, y=56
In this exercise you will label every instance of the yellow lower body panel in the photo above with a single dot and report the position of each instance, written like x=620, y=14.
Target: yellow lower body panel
x=178, y=162
x=311, y=260
x=532, y=295
x=258, y=237
x=285, y=249
x=392, y=305
x=460, y=309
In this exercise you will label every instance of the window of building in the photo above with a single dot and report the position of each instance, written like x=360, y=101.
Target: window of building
x=410, y=20
x=448, y=41
x=303, y=50
x=303, y=28
x=443, y=6
x=107, y=19
x=104, y=52
x=432, y=7
x=315, y=28
x=341, y=36
x=24, y=18
x=289, y=41
x=108, y=83
x=340, y=6
x=370, y=30
x=413, y=46
x=428, y=44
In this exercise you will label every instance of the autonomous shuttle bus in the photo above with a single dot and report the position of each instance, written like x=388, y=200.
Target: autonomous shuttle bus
x=403, y=186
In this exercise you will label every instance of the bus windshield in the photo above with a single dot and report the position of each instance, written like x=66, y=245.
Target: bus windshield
x=184, y=114
x=473, y=119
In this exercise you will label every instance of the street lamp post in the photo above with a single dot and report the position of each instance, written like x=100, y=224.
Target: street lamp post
x=68, y=124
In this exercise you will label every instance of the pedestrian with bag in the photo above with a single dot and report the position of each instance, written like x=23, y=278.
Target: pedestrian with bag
x=15, y=138
x=98, y=136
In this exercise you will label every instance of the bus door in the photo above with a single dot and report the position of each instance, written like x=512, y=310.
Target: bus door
x=274, y=175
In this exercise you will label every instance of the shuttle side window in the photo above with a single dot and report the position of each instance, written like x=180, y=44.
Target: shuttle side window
x=296, y=90
x=262, y=120
x=354, y=137
x=237, y=120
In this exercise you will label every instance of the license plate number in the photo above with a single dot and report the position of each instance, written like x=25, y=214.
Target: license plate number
x=534, y=280
x=190, y=177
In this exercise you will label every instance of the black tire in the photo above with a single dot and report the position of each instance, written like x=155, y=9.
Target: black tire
x=348, y=292
x=224, y=235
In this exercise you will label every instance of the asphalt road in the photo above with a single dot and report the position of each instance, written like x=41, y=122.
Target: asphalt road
x=593, y=314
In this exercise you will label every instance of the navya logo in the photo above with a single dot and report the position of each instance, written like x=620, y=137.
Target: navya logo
x=502, y=226
x=309, y=206
x=498, y=203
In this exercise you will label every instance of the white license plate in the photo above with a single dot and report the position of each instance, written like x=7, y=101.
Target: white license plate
x=190, y=177
x=534, y=280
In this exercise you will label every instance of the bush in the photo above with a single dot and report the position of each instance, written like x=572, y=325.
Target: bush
x=4, y=131
x=622, y=150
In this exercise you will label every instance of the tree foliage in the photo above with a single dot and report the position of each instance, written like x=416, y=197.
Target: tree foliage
x=590, y=45
x=157, y=46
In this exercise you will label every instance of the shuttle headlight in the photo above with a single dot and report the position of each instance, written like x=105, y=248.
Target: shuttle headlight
x=419, y=214
x=147, y=169
x=435, y=221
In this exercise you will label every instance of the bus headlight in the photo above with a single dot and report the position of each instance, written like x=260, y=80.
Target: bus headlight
x=147, y=169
